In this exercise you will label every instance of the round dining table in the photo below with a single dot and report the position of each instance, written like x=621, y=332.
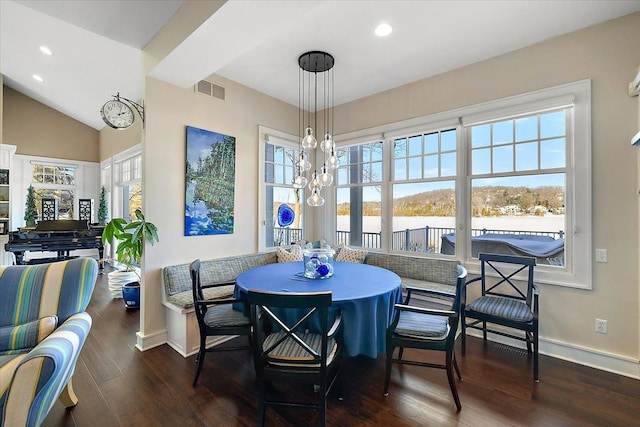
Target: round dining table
x=365, y=294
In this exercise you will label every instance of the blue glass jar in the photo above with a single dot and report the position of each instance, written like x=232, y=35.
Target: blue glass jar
x=318, y=260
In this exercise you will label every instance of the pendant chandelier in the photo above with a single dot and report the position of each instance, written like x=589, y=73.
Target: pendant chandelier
x=315, y=75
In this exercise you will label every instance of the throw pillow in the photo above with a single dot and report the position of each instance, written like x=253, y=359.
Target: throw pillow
x=290, y=256
x=347, y=254
x=22, y=338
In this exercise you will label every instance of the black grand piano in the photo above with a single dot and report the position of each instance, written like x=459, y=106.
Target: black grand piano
x=61, y=236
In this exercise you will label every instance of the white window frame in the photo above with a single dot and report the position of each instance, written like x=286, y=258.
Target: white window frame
x=577, y=272
x=64, y=187
x=332, y=197
x=126, y=169
x=268, y=135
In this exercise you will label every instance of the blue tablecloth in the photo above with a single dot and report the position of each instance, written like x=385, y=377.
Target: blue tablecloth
x=366, y=295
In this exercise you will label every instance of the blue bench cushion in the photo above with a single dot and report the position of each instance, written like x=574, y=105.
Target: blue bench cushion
x=185, y=299
x=177, y=278
x=502, y=307
x=425, y=284
x=443, y=271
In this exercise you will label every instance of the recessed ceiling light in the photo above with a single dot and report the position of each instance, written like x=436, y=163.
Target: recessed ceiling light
x=46, y=50
x=383, y=30
x=38, y=78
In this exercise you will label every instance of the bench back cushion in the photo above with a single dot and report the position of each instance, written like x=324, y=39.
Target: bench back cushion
x=31, y=292
x=221, y=270
x=412, y=267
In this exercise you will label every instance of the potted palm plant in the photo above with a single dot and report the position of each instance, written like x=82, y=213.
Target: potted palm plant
x=131, y=238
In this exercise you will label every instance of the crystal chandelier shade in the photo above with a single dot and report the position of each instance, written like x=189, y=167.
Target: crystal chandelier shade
x=315, y=96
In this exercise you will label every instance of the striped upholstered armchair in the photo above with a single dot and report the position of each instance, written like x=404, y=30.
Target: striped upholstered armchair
x=43, y=326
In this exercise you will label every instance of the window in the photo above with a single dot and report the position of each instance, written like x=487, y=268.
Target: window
x=424, y=190
x=277, y=161
x=509, y=175
x=518, y=186
x=129, y=185
x=57, y=182
x=359, y=195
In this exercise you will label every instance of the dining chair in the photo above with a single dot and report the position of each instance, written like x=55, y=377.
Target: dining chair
x=290, y=347
x=506, y=299
x=216, y=317
x=427, y=328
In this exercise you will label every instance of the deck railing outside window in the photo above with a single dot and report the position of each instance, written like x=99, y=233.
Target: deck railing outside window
x=426, y=239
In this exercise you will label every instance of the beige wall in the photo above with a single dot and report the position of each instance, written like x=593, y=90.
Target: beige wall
x=38, y=130
x=606, y=53
x=239, y=115
x=114, y=141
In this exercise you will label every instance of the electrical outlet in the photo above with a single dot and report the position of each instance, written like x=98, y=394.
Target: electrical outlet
x=601, y=255
x=601, y=326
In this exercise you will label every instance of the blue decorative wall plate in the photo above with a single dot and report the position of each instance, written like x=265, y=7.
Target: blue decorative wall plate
x=286, y=215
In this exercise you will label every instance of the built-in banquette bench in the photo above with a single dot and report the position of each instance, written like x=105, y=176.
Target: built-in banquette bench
x=182, y=326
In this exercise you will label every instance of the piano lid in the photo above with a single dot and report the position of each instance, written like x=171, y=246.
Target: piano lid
x=62, y=225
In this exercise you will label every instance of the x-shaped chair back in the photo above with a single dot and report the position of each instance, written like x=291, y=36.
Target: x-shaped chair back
x=506, y=286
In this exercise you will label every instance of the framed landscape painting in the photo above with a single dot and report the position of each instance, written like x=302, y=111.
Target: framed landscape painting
x=210, y=183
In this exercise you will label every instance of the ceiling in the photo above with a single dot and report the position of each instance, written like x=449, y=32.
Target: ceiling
x=97, y=44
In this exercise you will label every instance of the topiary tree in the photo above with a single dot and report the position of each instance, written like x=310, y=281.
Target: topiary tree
x=30, y=212
x=103, y=211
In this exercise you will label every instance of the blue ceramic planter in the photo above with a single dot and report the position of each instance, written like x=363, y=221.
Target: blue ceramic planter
x=131, y=295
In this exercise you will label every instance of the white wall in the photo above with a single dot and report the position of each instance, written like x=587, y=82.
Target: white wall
x=87, y=176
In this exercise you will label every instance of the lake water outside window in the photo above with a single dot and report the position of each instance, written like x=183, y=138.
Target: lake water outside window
x=424, y=190
x=359, y=195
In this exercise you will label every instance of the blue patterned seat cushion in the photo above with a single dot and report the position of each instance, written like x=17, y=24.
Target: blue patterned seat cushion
x=502, y=307
x=288, y=352
x=425, y=326
x=225, y=315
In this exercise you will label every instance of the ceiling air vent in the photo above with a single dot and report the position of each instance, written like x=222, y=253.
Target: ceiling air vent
x=210, y=89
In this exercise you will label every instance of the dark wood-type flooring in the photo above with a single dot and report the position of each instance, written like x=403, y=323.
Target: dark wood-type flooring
x=117, y=385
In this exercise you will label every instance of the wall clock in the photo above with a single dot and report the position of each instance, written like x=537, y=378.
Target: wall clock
x=117, y=114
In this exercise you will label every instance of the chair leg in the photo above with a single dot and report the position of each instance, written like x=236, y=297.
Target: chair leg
x=400, y=351
x=387, y=375
x=452, y=381
x=200, y=361
x=464, y=333
x=455, y=365
x=323, y=406
x=535, y=356
x=484, y=331
x=528, y=338
x=68, y=397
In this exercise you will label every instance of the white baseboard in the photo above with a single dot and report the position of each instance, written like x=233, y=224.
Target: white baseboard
x=211, y=342
x=147, y=342
x=615, y=363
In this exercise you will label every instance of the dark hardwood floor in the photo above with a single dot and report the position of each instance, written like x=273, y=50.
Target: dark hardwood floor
x=117, y=385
